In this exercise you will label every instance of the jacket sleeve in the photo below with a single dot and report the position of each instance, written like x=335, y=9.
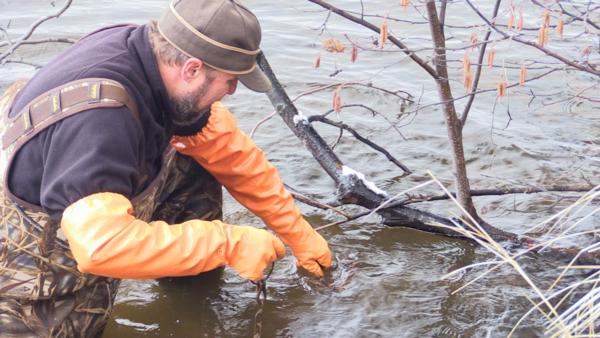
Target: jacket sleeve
x=107, y=240
x=237, y=163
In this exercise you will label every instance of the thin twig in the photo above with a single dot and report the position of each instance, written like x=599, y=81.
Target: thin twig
x=546, y=51
x=373, y=111
x=33, y=27
x=465, y=113
x=335, y=85
x=368, y=142
x=374, y=28
x=37, y=42
x=314, y=203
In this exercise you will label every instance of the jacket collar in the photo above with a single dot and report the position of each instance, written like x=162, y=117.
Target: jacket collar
x=140, y=43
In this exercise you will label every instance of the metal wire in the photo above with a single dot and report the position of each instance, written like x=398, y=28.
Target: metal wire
x=261, y=299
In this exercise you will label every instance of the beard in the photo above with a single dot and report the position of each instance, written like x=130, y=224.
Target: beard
x=185, y=112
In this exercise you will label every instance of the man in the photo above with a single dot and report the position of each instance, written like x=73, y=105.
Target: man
x=93, y=191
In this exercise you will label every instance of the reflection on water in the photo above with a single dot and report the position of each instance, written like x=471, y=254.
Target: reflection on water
x=388, y=281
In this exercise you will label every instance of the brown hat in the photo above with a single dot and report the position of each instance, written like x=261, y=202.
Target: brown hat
x=222, y=33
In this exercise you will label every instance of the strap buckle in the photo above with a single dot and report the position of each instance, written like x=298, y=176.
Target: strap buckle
x=55, y=103
x=27, y=125
x=94, y=92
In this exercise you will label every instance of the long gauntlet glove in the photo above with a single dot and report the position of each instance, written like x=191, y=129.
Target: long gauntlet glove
x=237, y=163
x=107, y=240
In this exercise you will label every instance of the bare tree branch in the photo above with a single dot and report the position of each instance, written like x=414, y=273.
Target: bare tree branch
x=465, y=113
x=573, y=16
x=452, y=122
x=351, y=189
x=374, y=112
x=374, y=28
x=366, y=141
x=37, y=42
x=442, y=18
x=314, y=203
x=499, y=192
x=588, y=69
x=334, y=85
x=33, y=27
x=27, y=63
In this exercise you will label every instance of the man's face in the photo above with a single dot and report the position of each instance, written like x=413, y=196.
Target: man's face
x=191, y=105
x=219, y=85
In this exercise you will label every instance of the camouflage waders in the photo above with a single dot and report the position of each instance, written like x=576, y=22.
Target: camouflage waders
x=42, y=294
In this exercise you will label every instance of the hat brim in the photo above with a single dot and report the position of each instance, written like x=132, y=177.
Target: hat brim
x=256, y=80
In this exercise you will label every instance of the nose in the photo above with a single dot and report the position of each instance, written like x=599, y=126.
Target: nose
x=232, y=87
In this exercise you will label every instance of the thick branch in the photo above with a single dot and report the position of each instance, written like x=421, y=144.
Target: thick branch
x=452, y=122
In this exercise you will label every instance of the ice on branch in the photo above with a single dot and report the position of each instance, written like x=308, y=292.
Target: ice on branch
x=347, y=171
x=299, y=118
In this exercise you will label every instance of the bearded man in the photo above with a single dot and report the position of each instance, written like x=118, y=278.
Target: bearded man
x=114, y=156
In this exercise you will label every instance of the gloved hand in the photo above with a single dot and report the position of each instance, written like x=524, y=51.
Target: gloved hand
x=311, y=251
x=107, y=240
x=237, y=163
x=251, y=250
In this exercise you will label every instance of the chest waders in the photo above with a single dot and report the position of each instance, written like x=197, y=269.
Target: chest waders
x=42, y=294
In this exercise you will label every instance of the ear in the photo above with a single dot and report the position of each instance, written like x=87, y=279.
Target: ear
x=192, y=69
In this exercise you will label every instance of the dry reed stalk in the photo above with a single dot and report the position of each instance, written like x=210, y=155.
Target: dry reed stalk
x=580, y=318
x=589, y=196
x=479, y=235
x=581, y=203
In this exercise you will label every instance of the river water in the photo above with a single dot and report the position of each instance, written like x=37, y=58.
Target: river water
x=389, y=281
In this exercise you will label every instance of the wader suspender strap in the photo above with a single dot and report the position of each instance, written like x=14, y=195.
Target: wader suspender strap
x=63, y=101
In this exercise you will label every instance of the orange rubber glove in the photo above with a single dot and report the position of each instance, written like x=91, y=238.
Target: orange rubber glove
x=237, y=163
x=107, y=240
